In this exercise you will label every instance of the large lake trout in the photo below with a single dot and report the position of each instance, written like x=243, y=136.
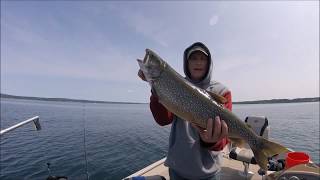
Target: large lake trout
x=196, y=105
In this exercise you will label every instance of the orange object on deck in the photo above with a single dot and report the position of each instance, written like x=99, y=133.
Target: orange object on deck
x=295, y=158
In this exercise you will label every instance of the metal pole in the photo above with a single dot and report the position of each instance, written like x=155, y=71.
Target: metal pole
x=35, y=121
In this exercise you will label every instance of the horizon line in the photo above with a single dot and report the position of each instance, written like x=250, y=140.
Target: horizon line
x=304, y=99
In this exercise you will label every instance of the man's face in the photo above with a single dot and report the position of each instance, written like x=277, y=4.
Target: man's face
x=197, y=65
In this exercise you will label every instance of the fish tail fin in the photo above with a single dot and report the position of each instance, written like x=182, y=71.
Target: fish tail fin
x=266, y=149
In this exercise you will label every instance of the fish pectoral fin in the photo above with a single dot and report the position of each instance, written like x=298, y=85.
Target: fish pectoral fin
x=261, y=158
x=218, y=98
x=237, y=142
x=271, y=148
x=266, y=150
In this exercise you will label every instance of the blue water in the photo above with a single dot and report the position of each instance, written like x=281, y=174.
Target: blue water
x=120, y=138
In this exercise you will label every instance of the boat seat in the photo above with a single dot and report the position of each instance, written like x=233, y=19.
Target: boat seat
x=259, y=125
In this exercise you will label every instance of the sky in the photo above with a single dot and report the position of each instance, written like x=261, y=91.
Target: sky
x=88, y=49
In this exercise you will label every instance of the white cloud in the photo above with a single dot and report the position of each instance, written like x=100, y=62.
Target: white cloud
x=27, y=52
x=106, y=66
x=153, y=28
x=148, y=27
x=240, y=62
x=213, y=20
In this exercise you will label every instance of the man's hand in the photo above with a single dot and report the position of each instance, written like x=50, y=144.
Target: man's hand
x=216, y=130
x=141, y=75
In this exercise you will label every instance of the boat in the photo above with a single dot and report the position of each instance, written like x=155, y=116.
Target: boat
x=239, y=163
x=234, y=169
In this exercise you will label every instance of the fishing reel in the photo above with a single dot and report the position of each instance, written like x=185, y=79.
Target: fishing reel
x=276, y=165
x=54, y=177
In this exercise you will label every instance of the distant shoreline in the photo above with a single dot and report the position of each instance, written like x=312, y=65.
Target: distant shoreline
x=64, y=99
x=272, y=101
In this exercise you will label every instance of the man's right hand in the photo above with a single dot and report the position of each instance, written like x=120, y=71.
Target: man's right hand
x=141, y=75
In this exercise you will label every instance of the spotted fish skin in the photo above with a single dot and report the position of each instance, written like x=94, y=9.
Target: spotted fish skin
x=195, y=105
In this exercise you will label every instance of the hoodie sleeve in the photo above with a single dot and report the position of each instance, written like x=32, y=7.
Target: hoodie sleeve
x=228, y=104
x=218, y=146
x=160, y=114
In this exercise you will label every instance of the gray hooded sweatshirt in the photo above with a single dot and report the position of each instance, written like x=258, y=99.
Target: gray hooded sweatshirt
x=186, y=155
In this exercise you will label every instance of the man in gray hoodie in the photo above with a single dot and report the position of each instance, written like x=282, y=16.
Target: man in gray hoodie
x=194, y=153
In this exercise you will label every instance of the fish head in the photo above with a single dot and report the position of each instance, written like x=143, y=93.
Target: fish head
x=152, y=65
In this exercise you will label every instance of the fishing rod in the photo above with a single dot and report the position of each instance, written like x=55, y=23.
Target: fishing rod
x=84, y=138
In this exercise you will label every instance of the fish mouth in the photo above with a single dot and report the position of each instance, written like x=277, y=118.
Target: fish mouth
x=150, y=65
x=140, y=61
x=146, y=58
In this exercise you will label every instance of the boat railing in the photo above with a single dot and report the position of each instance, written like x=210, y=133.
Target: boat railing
x=35, y=121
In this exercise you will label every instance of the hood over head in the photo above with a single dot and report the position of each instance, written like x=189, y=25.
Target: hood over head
x=198, y=46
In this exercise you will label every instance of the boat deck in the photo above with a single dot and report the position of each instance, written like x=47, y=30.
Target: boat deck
x=231, y=169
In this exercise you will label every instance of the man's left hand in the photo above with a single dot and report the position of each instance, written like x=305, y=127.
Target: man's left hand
x=216, y=130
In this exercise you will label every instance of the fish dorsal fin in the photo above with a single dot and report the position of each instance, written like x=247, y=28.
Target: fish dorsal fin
x=218, y=98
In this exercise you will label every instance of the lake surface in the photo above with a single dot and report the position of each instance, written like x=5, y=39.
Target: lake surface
x=119, y=138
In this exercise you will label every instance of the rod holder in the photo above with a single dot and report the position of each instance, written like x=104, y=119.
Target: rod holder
x=35, y=121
